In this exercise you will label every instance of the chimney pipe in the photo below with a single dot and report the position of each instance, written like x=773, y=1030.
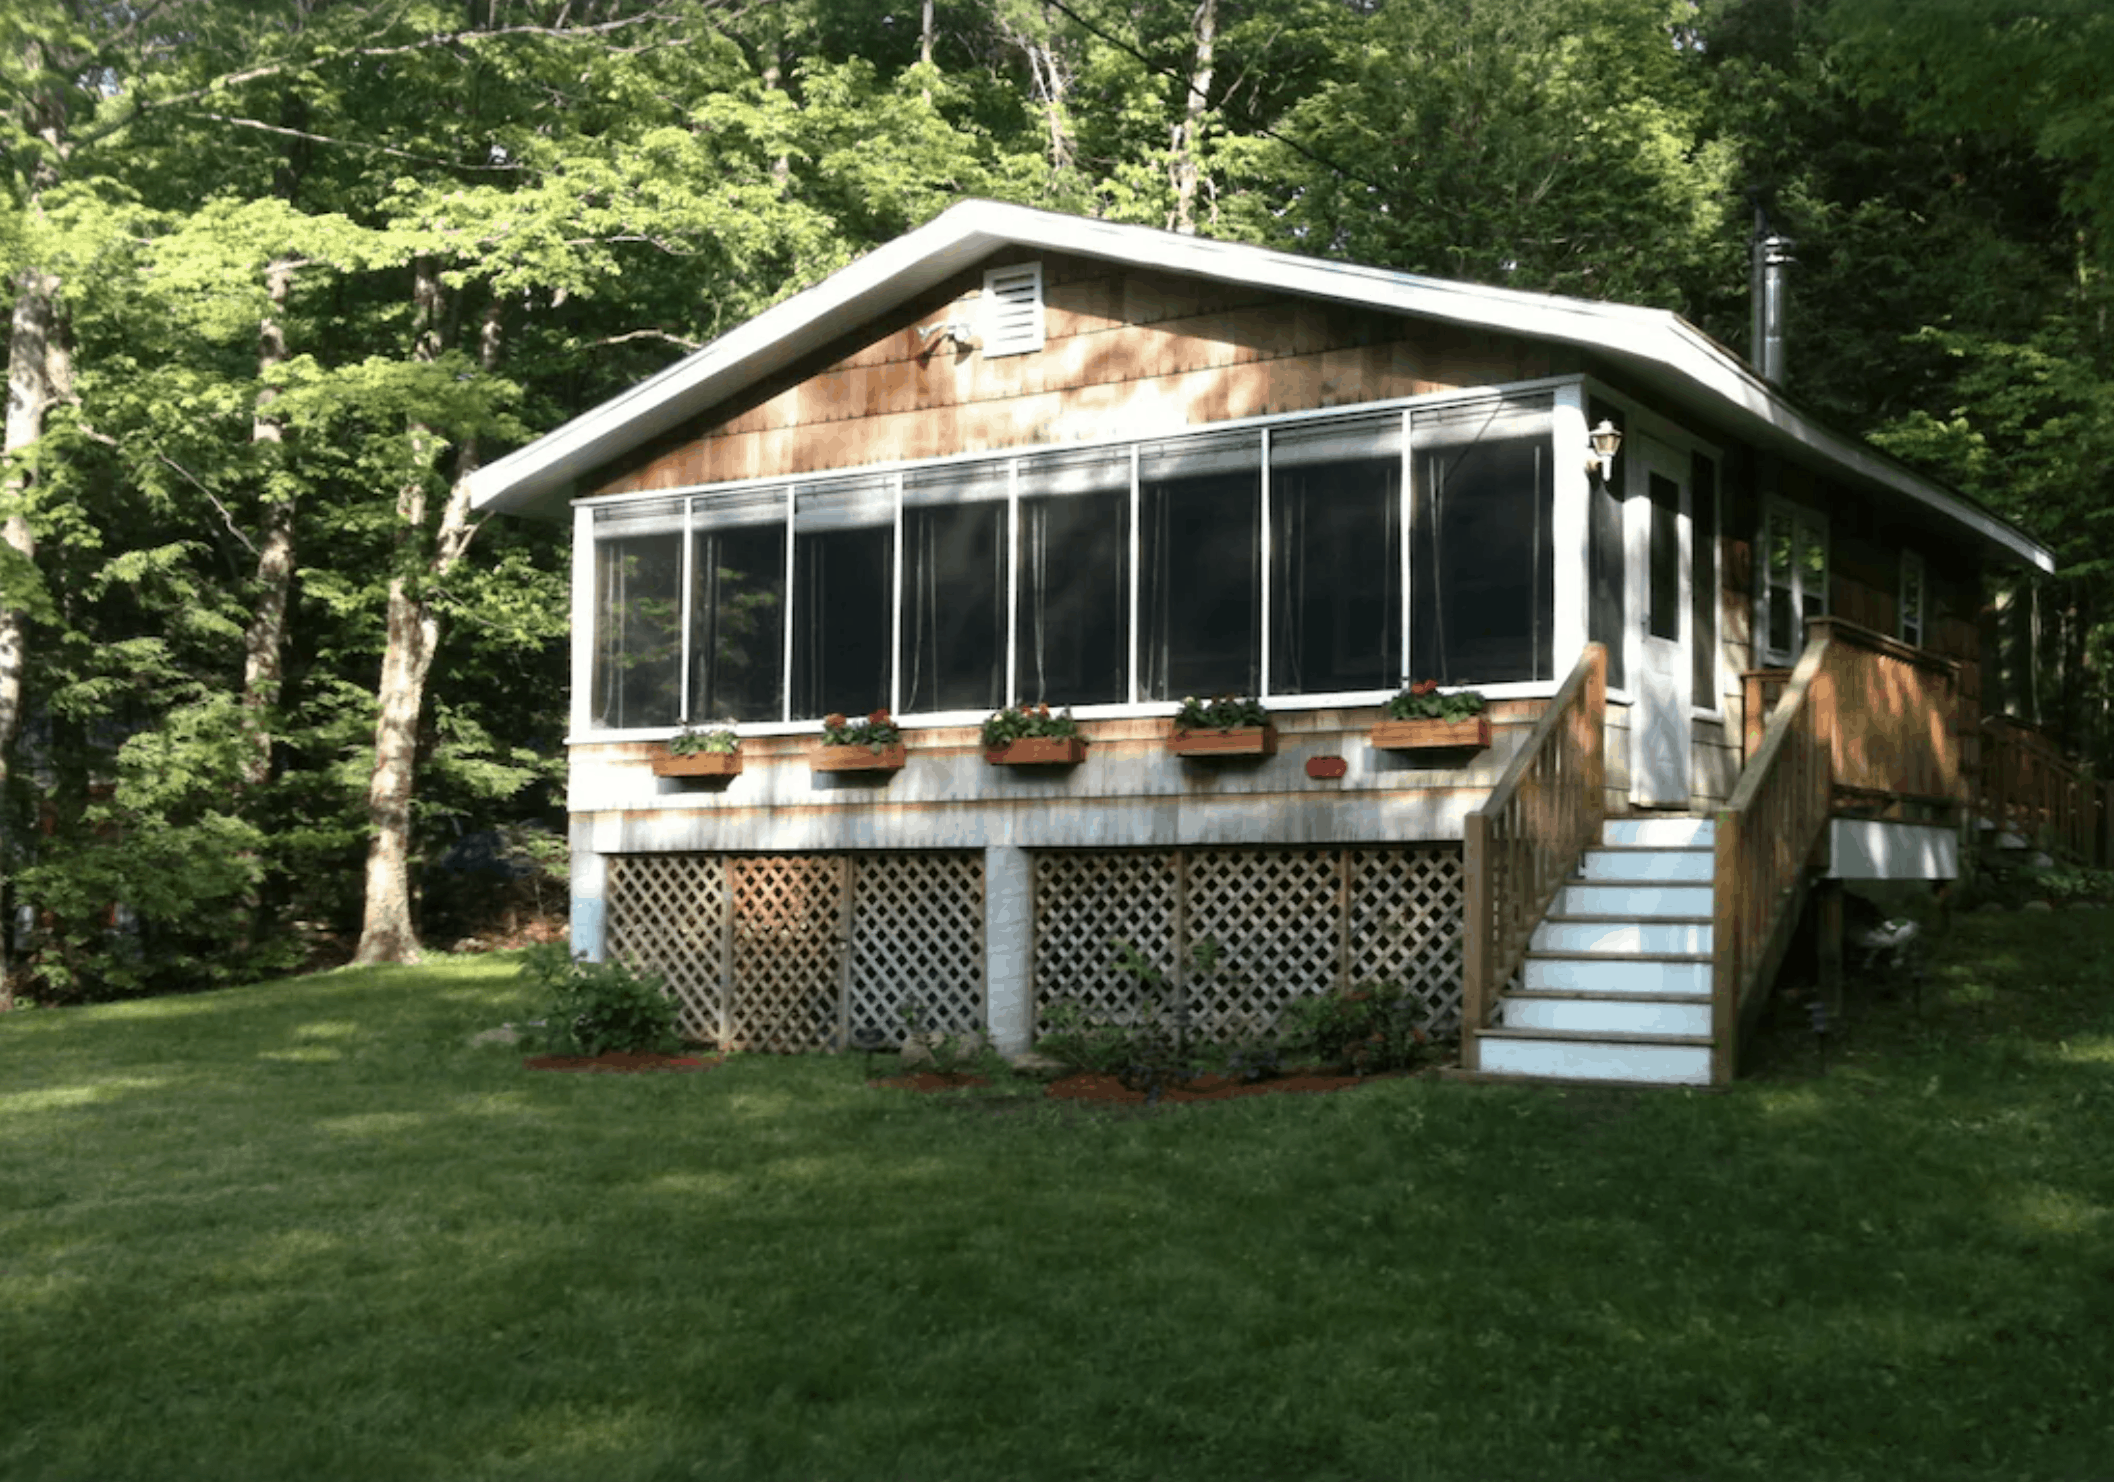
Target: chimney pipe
x=1771, y=254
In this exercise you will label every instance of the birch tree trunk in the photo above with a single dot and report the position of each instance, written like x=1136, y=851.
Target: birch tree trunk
x=1187, y=155
x=387, y=931
x=264, y=642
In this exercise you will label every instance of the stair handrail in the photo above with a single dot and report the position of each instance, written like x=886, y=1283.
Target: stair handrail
x=1766, y=833
x=1522, y=843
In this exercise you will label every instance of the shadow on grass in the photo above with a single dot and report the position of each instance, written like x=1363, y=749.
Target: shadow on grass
x=416, y=1260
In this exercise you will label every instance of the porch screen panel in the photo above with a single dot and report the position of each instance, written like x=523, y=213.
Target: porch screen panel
x=1703, y=574
x=1200, y=553
x=1336, y=572
x=954, y=588
x=737, y=606
x=1607, y=603
x=1482, y=559
x=843, y=597
x=638, y=643
x=1074, y=621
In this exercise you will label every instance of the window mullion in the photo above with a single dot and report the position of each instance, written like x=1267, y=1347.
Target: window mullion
x=1012, y=583
x=1405, y=496
x=1262, y=678
x=685, y=615
x=1135, y=545
x=895, y=620
x=785, y=686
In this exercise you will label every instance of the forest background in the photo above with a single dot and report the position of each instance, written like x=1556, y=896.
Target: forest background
x=283, y=271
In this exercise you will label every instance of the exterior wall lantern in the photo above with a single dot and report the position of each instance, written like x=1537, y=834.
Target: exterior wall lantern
x=1606, y=442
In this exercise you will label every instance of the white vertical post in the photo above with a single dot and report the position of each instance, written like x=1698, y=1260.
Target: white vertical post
x=1009, y=947
x=1262, y=680
x=685, y=617
x=1570, y=527
x=588, y=890
x=895, y=620
x=785, y=689
x=1137, y=544
x=584, y=616
x=1408, y=507
x=1012, y=583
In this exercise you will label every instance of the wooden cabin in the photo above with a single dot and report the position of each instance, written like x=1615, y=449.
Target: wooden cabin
x=1017, y=455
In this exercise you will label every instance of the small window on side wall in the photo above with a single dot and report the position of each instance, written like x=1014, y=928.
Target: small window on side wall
x=1912, y=603
x=1794, y=579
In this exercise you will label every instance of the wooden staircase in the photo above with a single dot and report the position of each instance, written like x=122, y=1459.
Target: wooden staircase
x=1616, y=982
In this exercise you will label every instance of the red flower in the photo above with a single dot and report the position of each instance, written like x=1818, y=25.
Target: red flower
x=834, y=720
x=878, y=718
x=1425, y=687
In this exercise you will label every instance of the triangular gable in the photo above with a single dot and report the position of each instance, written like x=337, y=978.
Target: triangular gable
x=1651, y=348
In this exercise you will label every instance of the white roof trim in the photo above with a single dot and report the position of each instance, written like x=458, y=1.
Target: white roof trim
x=1646, y=339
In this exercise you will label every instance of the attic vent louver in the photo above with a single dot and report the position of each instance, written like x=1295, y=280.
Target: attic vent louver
x=1013, y=310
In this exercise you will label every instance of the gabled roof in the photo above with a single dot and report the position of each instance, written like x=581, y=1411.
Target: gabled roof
x=1651, y=347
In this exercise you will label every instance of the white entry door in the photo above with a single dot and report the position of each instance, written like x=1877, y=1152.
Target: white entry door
x=1656, y=523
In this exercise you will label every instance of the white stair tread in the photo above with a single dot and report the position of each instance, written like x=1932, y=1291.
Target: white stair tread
x=1591, y=995
x=1655, y=899
x=1594, y=1037
x=1560, y=1056
x=1635, y=863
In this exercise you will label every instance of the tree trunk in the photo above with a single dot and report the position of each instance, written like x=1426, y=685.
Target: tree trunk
x=1186, y=165
x=387, y=932
x=264, y=643
x=36, y=369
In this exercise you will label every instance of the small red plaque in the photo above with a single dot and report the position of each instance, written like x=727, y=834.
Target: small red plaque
x=1326, y=768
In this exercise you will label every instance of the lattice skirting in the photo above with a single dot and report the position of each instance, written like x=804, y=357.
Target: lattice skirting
x=1287, y=923
x=805, y=951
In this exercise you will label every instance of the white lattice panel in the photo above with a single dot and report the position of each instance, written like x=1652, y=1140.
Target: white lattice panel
x=1407, y=909
x=1289, y=923
x=1277, y=916
x=1085, y=901
x=788, y=987
x=917, y=939
x=666, y=912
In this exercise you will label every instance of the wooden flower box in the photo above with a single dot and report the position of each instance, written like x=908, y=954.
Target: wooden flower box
x=1239, y=741
x=697, y=764
x=857, y=758
x=1038, y=751
x=1472, y=734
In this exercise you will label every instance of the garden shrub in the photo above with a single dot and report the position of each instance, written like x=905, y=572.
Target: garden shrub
x=1370, y=1028
x=598, y=1007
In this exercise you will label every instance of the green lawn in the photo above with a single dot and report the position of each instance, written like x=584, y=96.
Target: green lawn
x=304, y=1231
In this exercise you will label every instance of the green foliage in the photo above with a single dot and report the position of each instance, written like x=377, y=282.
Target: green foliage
x=876, y=730
x=1025, y=721
x=689, y=741
x=1368, y=1029
x=1422, y=701
x=1221, y=713
x=592, y=1008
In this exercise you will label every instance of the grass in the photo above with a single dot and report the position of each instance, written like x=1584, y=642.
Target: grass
x=305, y=1231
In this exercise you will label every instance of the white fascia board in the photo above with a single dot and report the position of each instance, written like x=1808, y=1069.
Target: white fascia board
x=964, y=234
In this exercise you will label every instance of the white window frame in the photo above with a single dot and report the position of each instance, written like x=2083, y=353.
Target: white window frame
x=1569, y=625
x=1912, y=629
x=1803, y=518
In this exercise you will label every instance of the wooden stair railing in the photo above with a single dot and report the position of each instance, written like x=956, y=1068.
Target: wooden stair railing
x=1525, y=840
x=2031, y=790
x=1766, y=835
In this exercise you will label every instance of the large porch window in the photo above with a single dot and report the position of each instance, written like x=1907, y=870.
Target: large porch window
x=1482, y=576
x=1302, y=556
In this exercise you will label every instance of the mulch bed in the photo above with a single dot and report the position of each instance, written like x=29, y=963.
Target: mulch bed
x=1108, y=1089
x=621, y=1062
